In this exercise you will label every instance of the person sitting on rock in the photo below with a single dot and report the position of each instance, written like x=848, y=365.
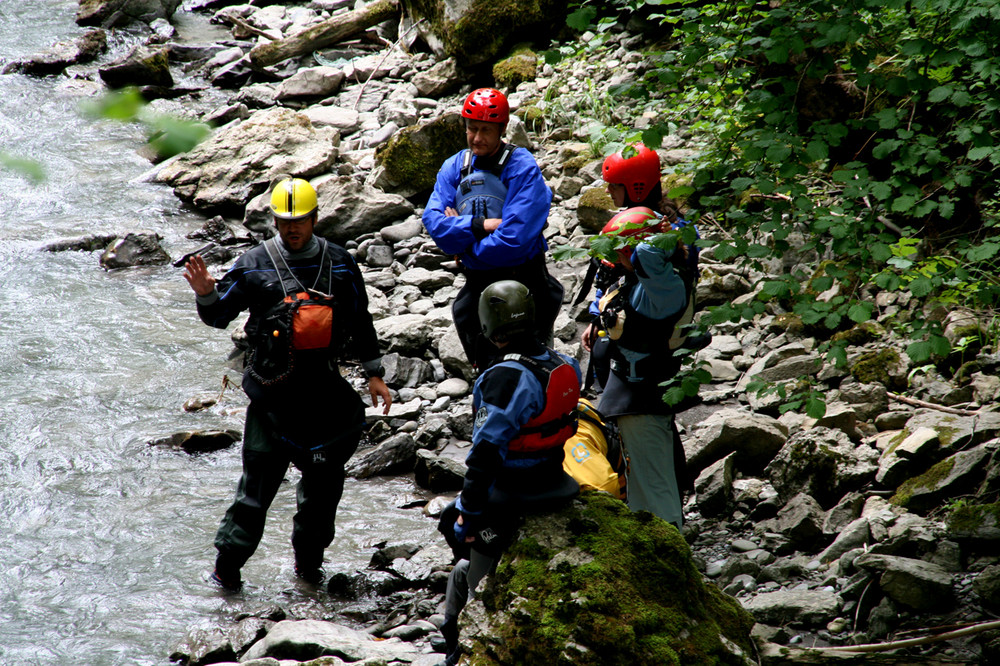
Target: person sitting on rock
x=307, y=300
x=489, y=207
x=524, y=406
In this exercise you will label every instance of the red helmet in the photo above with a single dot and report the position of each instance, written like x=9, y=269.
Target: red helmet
x=639, y=173
x=639, y=223
x=486, y=104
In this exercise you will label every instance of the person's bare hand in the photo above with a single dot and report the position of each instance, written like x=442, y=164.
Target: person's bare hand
x=377, y=389
x=197, y=275
x=587, y=338
x=490, y=224
x=450, y=212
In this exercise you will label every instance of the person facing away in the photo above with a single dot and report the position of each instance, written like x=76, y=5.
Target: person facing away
x=489, y=207
x=633, y=180
x=524, y=406
x=307, y=305
x=642, y=318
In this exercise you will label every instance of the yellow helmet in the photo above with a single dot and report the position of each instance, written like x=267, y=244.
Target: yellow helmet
x=293, y=199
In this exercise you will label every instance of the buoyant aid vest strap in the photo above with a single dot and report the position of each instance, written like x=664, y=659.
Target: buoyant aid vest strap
x=301, y=321
x=557, y=421
x=482, y=193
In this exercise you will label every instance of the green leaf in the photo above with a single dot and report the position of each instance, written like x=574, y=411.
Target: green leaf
x=940, y=345
x=921, y=287
x=564, y=252
x=939, y=94
x=680, y=192
x=980, y=153
x=741, y=184
x=903, y=203
x=919, y=352
x=860, y=312
x=815, y=407
x=581, y=19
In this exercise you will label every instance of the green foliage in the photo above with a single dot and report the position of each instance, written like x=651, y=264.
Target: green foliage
x=29, y=169
x=872, y=127
x=799, y=395
x=167, y=135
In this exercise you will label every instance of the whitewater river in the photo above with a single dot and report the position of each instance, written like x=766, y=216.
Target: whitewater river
x=106, y=540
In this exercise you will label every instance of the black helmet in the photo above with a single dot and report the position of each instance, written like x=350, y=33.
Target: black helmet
x=506, y=308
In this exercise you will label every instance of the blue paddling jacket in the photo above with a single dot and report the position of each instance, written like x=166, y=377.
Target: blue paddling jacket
x=525, y=212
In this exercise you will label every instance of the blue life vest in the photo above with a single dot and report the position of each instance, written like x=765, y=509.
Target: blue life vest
x=482, y=193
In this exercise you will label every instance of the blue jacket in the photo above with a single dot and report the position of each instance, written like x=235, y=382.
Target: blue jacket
x=506, y=397
x=525, y=213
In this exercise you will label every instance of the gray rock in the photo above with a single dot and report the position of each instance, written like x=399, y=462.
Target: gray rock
x=303, y=640
x=407, y=334
x=952, y=477
x=913, y=583
x=823, y=463
x=810, y=608
x=100, y=12
x=403, y=231
x=405, y=371
x=439, y=474
x=346, y=121
x=440, y=79
x=311, y=82
x=714, y=487
x=755, y=438
x=138, y=248
x=799, y=521
x=239, y=162
x=394, y=455
x=854, y=535
x=348, y=210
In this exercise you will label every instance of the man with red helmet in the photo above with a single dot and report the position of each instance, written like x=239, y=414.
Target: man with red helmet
x=633, y=177
x=488, y=208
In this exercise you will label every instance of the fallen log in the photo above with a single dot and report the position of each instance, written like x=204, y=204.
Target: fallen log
x=324, y=34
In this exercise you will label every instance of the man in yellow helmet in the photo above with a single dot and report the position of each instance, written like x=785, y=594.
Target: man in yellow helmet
x=308, y=307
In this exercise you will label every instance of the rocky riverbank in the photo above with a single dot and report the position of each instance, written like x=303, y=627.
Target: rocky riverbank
x=874, y=523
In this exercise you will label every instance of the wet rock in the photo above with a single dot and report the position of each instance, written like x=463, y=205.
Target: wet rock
x=439, y=474
x=392, y=456
x=138, y=248
x=142, y=66
x=205, y=646
x=303, y=640
x=81, y=244
x=99, y=12
x=799, y=521
x=61, y=55
x=405, y=371
x=200, y=441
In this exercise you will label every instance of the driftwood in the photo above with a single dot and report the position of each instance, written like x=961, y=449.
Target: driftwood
x=930, y=405
x=324, y=34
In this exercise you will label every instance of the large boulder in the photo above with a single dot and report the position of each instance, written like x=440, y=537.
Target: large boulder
x=238, y=162
x=823, y=463
x=475, y=32
x=142, y=66
x=409, y=161
x=595, y=583
x=100, y=12
x=349, y=209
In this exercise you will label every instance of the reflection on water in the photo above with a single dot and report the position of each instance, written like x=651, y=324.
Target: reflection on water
x=106, y=539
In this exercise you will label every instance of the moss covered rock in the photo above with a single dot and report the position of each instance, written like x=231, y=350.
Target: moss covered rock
x=595, y=209
x=411, y=158
x=520, y=67
x=598, y=584
x=476, y=31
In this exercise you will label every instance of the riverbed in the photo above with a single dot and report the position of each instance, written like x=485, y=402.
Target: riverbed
x=107, y=539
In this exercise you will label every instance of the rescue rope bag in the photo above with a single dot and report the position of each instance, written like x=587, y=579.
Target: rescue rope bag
x=594, y=455
x=304, y=320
